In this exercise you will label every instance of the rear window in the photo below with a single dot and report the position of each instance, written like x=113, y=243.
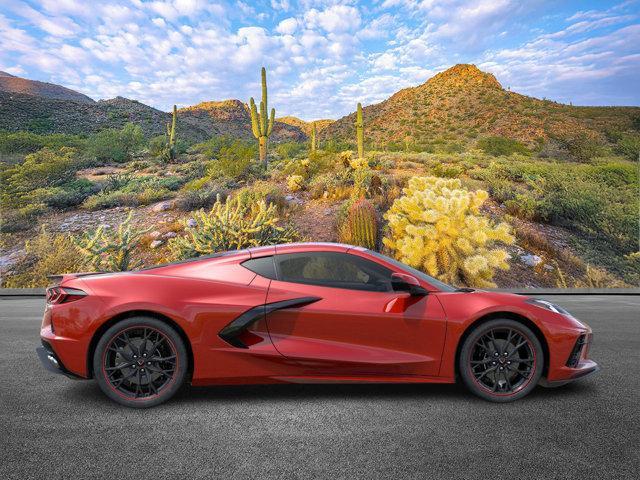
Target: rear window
x=263, y=266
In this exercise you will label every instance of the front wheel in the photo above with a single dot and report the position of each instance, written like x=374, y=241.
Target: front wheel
x=501, y=360
x=140, y=362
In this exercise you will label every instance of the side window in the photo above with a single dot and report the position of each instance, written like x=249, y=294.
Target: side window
x=332, y=269
x=263, y=266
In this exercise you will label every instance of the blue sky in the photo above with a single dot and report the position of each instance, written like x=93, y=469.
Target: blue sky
x=322, y=56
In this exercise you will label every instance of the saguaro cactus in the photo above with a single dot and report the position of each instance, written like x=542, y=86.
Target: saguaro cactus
x=171, y=136
x=314, y=140
x=260, y=124
x=360, y=132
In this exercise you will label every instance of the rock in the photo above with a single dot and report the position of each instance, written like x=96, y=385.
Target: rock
x=549, y=267
x=155, y=234
x=156, y=243
x=191, y=223
x=170, y=235
x=163, y=206
x=289, y=198
x=531, y=260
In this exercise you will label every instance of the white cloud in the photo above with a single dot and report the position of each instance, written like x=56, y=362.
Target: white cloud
x=322, y=56
x=287, y=26
x=335, y=19
x=56, y=26
x=280, y=5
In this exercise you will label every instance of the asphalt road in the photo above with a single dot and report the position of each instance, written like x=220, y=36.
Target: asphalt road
x=52, y=427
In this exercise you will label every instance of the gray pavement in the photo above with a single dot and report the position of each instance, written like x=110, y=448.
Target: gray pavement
x=52, y=427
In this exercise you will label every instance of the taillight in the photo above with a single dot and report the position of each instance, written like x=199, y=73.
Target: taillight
x=57, y=295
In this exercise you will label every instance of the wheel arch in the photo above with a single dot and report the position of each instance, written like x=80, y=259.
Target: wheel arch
x=510, y=316
x=137, y=313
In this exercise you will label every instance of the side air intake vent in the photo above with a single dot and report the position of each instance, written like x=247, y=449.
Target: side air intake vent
x=574, y=358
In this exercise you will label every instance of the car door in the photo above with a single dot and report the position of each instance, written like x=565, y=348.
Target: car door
x=352, y=322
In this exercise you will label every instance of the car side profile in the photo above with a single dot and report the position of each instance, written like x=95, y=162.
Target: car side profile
x=302, y=313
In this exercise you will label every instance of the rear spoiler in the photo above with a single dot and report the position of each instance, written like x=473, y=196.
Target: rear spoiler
x=61, y=277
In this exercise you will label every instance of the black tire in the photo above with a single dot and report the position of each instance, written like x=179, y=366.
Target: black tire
x=509, y=375
x=140, y=362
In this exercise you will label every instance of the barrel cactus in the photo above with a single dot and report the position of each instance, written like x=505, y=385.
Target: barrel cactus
x=360, y=226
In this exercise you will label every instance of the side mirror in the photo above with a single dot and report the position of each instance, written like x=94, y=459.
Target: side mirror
x=402, y=282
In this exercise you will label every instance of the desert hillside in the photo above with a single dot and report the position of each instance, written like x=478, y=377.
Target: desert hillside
x=463, y=103
x=306, y=126
x=232, y=118
x=27, y=105
x=15, y=85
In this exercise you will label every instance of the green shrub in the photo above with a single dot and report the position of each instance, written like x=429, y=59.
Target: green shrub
x=68, y=195
x=288, y=150
x=157, y=145
x=125, y=198
x=523, y=206
x=116, y=145
x=16, y=220
x=47, y=254
x=190, y=200
x=582, y=146
x=498, y=146
x=211, y=148
x=27, y=142
x=44, y=169
x=261, y=190
x=233, y=160
x=629, y=146
x=447, y=171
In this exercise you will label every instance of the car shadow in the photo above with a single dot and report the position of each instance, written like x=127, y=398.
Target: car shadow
x=89, y=392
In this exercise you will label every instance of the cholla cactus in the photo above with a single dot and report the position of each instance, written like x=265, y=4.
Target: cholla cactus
x=295, y=182
x=437, y=226
x=111, y=251
x=231, y=225
x=361, y=225
x=261, y=125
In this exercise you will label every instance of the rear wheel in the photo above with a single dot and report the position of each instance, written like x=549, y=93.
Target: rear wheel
x=501, y=360
x=140, y=362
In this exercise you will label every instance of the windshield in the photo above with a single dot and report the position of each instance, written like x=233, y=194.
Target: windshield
x=416, y=273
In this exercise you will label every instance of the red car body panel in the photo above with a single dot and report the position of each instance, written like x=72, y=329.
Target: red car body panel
x=341, y=336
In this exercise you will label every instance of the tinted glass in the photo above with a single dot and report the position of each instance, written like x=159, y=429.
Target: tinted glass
x=332, y=269
x=263, y=266
x=416, y=273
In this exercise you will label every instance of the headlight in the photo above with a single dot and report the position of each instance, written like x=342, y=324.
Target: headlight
x=548, y=306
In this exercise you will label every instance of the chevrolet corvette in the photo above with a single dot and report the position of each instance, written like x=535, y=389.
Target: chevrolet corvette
x=302, y=313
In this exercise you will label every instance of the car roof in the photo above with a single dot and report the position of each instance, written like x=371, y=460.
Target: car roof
x=299, y=248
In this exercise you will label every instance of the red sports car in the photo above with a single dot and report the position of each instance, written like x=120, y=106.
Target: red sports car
x=302, y=313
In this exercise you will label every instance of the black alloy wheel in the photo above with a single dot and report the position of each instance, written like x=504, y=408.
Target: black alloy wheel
x=501, y=360
x=140, y=362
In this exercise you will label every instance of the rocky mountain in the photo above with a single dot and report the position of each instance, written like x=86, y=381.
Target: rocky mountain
x=464, y=103
x=16, y=85
x=305, y=126
x=232, y=117
x=47, y=108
